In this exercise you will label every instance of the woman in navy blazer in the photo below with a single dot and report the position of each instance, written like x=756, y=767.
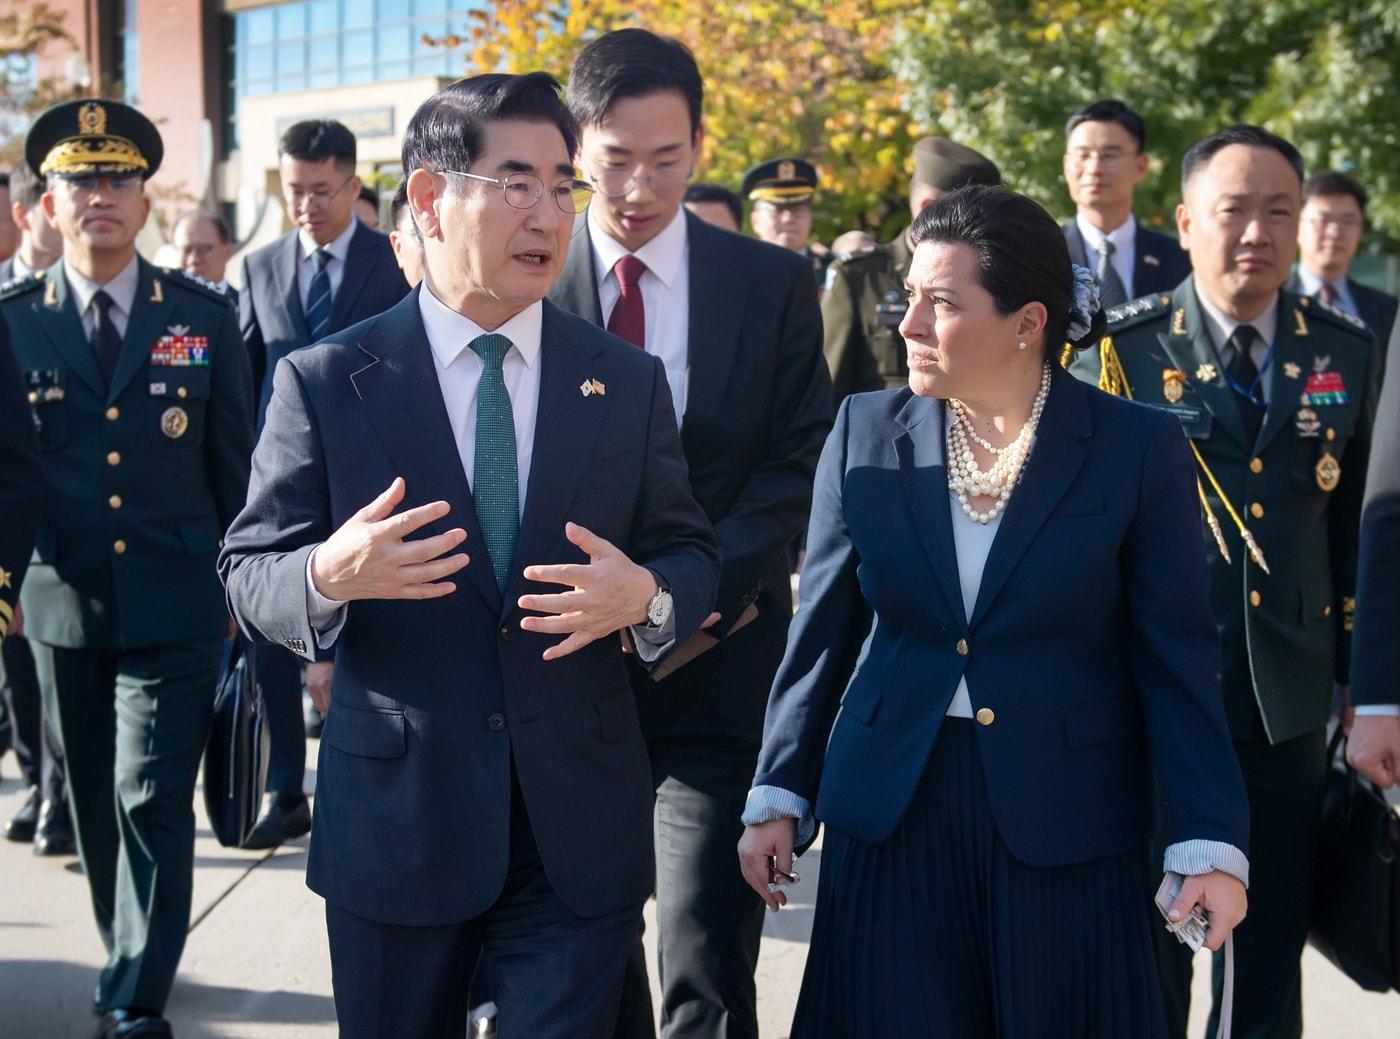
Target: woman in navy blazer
x=979, y=688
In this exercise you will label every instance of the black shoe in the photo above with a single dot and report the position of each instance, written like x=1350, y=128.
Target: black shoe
x=133, y=1024
x=314, y=721
x=21, y=828
x=55, y=833
x=279, y=822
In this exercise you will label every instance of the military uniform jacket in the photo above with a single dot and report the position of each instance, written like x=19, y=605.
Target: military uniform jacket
x=1298, y=489
x=862, y=307
x=139, y=480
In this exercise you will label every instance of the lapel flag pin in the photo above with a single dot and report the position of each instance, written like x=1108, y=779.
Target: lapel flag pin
x=1151, y=260
x=591, y=387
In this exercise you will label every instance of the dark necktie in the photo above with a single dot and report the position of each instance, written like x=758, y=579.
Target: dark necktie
x=106, y=340
x=318, y=297
x=495, y=480
x=1245, y=373
x=1328, y=294
x=1111, y=290
x=629, y=316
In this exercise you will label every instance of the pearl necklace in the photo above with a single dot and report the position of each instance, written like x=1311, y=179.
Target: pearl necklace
x=967, y=481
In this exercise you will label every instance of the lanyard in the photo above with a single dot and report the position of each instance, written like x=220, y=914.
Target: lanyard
x=1254, y=394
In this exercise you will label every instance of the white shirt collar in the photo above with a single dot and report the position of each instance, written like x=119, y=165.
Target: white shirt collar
x=121, y=288
x=20, y=269
x=663, y=255
x=1311, y=284
x=449, y=333
x=1221, y=325
x=1123, y=237
x=338, y=247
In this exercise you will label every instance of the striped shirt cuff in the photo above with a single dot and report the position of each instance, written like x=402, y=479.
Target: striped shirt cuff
x=767, y=803
x=1192, y=858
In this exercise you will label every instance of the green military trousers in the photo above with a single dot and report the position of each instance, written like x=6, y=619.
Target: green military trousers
x=133, y=724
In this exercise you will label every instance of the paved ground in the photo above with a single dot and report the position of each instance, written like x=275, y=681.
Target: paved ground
x=256, y=967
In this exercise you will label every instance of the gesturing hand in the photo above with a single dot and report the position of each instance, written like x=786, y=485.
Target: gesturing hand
x=1220, y=895
x=609, y=592
x=368, y=558
x=762, y=844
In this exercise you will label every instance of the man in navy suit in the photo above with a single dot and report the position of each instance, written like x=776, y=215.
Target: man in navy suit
x=736, y=324
x=1105, y=159
x=483, y=785
x=1329, y=234
x=326, y=274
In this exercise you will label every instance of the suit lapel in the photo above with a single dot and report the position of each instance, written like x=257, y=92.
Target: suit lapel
x=1188, y=345
x=925, y=477
x=712, y=338
x=359, y=258
x=403, y=400
x=1291, y=347
x=284, y=277
x=1050, y=470
x=59, y=317
x=151, y=312
x=577, y=288
x=1075, y=240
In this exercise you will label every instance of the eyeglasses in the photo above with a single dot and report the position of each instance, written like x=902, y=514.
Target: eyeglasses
x=617, y=183
x=523, y=190
x=1335, y=223
x=317, y=196
x=1106, y=156
x=200, y=249
x=123, y=187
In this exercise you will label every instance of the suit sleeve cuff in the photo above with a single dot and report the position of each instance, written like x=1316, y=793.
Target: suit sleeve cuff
x=1192, y=858
x=1385, y=710
x=650, y=643
x=327, y=616
x=766, y=803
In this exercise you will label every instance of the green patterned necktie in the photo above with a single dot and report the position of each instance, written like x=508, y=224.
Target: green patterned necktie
x=496, y=487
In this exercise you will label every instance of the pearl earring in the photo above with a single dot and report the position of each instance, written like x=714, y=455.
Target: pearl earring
x=1020, y=346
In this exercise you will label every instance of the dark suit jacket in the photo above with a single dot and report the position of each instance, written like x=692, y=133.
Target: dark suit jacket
x=758, y=407
x=1159, y=263
x=1091, y=639
x=433, y=699
x=20, y=483
x=1375, y=668
x=156, y=462
x=269, y=305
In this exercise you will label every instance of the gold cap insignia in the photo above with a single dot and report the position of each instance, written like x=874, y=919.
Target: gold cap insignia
x=786, y=170
x=174, y=422
x=92, y=119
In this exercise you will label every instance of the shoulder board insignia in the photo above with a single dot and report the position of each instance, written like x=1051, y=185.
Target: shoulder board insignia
x=1137, y=311
x=1339, y=317
x=179, y=276
x=19, y=286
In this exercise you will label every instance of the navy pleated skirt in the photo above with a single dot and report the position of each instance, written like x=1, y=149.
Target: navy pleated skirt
x=941, y=932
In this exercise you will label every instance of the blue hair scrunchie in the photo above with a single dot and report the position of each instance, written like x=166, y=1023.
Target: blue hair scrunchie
x=1086, y=301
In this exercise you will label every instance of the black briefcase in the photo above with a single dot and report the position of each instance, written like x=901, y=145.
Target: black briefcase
x=1356, y=905
x=235, y=758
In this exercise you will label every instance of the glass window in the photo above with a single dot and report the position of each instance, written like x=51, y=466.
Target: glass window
x=291, y=20
x=392, y=70
x=357, y=48
x=259, y=62
x=426, y=7
x=358, y=13
x=357, y=74
x=435, y=65
x=325, y=15
x=394, y=43
x=324, y=54
x=291, y=66
x=261, y=27
x=321, y=80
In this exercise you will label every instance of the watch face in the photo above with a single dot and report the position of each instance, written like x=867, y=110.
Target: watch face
x=660, y=609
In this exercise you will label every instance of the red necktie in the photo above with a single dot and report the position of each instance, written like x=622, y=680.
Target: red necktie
x=629, y=316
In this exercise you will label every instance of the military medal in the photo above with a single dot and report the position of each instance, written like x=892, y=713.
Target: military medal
x=1292, y=370
x=1324, y=387
x=174, y=422
x=1328, y=471
x=1173, y=384
x=1206, y=372
x=1307, y=423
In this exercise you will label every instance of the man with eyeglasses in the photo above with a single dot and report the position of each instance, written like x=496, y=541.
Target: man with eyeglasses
x=735, y=322
x=472, y=497
x=1329, y=235
x=1105, y=159
x=143, y=401
x=324, y=275
x=203, y=242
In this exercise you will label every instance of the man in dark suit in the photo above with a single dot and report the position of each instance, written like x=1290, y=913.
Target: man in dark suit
x=324, y=275
x=1276, y=395
x=736, y=324
x=1105, y=159
x=19, y=482
x=482, y=784
x=1374, y=743
x=140, y=387
x=40, y=243
x=205, y=246
x=1334, y=219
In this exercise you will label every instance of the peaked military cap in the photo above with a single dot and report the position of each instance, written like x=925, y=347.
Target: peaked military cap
x=93, y=138
x=941, y=163
x=783, y=182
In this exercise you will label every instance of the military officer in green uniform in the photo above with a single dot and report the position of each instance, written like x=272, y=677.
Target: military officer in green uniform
x=780, y=194
x=865, y=300
x=143, y=399
x=1275, y=393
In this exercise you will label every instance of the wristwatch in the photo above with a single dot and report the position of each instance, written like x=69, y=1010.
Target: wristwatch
x=660, y=606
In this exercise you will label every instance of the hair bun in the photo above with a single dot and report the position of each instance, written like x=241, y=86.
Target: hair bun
x=1098, y=328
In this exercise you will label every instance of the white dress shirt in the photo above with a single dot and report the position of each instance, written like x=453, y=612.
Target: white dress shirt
x=20, y=269
x=122, y=290
x=1124, y=239
x=1311, y=285
x=338, y=247
x=1221, y=326
x=665, y=295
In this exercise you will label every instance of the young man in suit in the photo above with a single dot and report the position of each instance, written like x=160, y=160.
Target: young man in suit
x=736, y=324
x=1329, y=234
x=483, y=783
x=324, y=275
x=1105, y=159
x=40, y=243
